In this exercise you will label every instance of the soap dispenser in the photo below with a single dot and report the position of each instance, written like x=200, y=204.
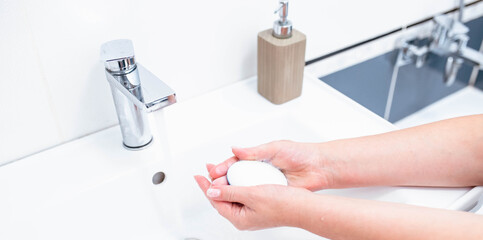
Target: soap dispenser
x=281, y=59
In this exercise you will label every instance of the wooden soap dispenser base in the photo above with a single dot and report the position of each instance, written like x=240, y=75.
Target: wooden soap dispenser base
x=281, y=60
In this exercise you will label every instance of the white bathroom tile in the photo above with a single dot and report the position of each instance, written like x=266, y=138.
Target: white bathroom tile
x=190, y=57
x=27, y=122
x=333, y=25
x=68, y=41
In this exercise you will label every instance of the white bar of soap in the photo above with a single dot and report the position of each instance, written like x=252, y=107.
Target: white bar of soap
x=252, y=173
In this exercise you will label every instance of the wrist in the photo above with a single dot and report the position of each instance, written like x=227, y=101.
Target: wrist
x=298, y=208
x=352, y=165
x=337, y=165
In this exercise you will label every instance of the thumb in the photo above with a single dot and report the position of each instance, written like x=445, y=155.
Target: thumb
x=261, y=152
x=227, y=193
x=245, y=153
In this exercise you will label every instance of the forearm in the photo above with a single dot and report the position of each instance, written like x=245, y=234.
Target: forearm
x=344, y=218
x=446, y=153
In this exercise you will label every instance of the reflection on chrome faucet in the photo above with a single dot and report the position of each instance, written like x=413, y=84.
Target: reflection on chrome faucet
x=448, y=39
x=135, y=90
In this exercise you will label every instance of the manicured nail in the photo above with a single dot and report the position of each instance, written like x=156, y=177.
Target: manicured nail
x=212, y=193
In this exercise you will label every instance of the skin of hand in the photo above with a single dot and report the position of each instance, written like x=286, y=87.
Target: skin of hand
x=428, y=155
x=258, y=207
x=267, y=206
x=445, y=153
x=303, y=164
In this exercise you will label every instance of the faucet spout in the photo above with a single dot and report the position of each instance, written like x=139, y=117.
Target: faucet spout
x=136, y=92
x=156, y=94
x=472, y=56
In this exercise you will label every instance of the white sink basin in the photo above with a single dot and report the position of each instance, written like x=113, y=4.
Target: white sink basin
x=93, y=188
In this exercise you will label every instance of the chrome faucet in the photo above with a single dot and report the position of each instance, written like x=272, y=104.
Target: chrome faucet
x=136, y=92
x=448, y=39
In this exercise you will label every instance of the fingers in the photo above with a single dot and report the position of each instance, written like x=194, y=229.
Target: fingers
x=209, y=166
x=226, y=209
x=261, y=152
x=220, y=181
x=221, y=169
x=220, y=192
x=203, y=183
x=227, y=193
x=246, y=153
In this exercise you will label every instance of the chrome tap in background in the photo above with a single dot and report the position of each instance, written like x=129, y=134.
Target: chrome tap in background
x=135, y=90
x=448, y=39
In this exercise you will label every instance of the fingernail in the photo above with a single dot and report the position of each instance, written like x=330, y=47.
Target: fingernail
x=212, y=193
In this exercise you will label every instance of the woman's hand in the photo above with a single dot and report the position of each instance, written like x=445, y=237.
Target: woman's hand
x=303, y=164
x=258, y=207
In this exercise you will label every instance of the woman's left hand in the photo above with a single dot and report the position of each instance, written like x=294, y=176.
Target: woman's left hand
x=258, y=207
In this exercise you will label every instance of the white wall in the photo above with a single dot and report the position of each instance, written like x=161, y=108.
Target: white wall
x=53, y=86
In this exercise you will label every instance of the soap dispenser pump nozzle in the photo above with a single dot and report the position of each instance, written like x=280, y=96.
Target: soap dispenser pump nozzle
x=282, y=28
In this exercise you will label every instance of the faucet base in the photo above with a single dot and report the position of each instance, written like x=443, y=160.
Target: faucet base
x=137, y=148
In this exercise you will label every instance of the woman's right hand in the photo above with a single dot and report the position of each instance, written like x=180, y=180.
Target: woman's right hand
x=258, y=207
x=303, y=164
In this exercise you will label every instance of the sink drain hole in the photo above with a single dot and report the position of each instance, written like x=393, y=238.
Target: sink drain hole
x=158, y=178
